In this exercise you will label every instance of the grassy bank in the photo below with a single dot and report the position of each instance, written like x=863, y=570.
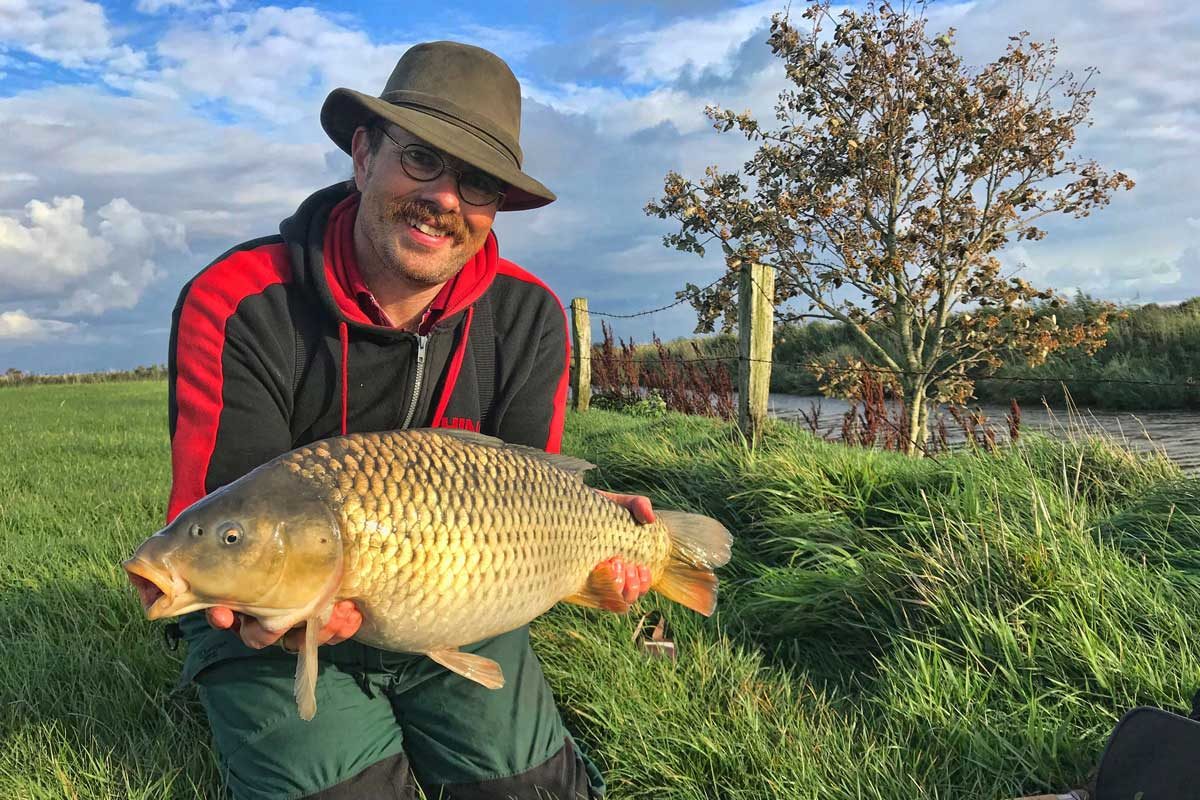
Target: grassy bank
x=970, y=627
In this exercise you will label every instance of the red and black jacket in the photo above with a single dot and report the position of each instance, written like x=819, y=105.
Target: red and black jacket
x=264, y=360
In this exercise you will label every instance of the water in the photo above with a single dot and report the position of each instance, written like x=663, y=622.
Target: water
x=1177, y=433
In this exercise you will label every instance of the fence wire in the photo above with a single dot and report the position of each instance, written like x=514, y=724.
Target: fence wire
x=659, y=359
x=649, y=311
x=1189, y=382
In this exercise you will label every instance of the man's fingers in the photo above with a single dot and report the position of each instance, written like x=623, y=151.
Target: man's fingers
x=637, y=582
x=637, y=505
x=644, y=577
x=641, y=509
x=255, y=635
x=343, y=624
x=248, y=629
x=618, y=572
x=631, y=580
x=219, y=617
x=626, y=579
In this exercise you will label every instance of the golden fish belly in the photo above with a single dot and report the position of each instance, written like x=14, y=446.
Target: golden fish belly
x=447, y=542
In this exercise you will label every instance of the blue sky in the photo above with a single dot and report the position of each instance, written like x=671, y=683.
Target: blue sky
x=143, y=139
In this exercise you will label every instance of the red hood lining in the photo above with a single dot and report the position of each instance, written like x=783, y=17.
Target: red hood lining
x=465, y=288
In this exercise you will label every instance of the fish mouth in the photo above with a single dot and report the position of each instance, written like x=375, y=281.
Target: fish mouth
x=158, y=590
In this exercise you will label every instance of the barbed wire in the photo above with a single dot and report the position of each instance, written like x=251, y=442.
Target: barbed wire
x=1189, y=382
x=649, y=311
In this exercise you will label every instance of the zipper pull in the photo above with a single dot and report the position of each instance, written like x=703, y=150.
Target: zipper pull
x=422, y=340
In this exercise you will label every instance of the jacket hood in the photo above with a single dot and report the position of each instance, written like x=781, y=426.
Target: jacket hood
x=304, y=233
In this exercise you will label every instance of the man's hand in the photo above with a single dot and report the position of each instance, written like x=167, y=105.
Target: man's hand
x=633, y=580
x=343, y=623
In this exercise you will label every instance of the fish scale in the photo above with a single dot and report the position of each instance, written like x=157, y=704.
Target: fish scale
x=441, y=539
x=503, y=541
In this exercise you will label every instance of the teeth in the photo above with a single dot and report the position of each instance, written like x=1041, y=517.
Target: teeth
x=428, y=231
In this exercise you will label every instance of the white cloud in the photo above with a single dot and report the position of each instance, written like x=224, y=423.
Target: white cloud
x=69, y=32
x=1135, y=7
x=159, y=6
x=620, y=113
x=697, y=43
x=223, y=181
x=278, y=62
x=54, y=254
x=1118, y=271
x=73, y=33
x=508, y=43
x=18, y=327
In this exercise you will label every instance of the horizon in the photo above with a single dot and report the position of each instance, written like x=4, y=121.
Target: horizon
x=146, y=138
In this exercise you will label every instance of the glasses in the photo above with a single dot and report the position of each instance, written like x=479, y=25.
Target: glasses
x=423, y=163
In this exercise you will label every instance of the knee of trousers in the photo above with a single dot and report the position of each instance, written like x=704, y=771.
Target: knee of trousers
x=563, y=776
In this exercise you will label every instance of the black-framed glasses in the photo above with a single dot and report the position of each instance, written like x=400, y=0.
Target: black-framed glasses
x=422, y=163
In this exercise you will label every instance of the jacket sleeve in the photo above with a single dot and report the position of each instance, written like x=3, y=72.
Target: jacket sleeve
x=230, y=392
x=537, y=411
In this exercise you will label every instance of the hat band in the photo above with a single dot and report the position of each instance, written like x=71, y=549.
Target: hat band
x=456, y=115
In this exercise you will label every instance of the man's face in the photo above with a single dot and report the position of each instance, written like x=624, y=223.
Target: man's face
x=420, y=230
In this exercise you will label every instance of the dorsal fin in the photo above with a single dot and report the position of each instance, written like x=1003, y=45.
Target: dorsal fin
x=575, y=466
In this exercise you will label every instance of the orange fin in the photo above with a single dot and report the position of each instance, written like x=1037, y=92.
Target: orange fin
x=694, y=587
x=482, y=670
x=698, y=544
x=307, y=667
x=600, y=591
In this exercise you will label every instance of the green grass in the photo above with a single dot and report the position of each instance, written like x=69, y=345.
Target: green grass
x=86, y=708
x=889, y=628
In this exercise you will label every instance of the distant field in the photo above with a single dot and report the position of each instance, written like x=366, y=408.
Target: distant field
x=889, y=629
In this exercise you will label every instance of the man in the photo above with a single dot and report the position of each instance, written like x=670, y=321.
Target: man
x=382, y=304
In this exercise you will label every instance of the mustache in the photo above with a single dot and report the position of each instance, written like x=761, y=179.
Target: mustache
x=427, y=213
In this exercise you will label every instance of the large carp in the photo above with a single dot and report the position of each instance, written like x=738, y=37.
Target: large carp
x=442, y=538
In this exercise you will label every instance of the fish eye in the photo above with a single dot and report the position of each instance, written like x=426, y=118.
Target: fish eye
x=232, y=533
x=195, y=530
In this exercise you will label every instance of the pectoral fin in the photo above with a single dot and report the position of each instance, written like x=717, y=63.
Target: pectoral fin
x=482, y=670
x=600, y=591
x=307, y=667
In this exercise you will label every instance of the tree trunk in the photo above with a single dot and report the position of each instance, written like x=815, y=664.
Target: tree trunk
x=914, y=397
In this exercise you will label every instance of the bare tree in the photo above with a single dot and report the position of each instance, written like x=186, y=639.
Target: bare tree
x=893, y=177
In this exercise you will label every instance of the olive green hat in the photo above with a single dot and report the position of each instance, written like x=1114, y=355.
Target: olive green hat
x=462, y=100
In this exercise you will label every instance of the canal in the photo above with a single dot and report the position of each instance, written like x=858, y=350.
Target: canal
x=1176, y=433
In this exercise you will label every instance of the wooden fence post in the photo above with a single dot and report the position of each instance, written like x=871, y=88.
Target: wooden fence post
x=756, y=316
x=581, y=354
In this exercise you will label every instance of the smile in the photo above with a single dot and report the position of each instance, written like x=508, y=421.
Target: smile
x=429, y=230
x=428, y=236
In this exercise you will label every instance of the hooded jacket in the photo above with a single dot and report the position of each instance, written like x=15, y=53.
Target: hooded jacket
x=263, y=359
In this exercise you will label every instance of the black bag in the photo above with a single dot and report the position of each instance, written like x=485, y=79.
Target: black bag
x=1152, y=755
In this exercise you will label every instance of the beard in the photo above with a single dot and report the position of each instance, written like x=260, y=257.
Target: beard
x=407, y=212
x=397, y=256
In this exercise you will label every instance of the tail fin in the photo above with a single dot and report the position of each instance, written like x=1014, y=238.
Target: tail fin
x=698, y=545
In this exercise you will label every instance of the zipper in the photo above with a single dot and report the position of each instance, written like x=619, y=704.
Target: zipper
x=416, y=392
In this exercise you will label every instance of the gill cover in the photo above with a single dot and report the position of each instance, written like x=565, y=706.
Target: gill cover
x=266, y=545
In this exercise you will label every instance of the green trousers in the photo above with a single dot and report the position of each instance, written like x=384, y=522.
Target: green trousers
x=461, y=739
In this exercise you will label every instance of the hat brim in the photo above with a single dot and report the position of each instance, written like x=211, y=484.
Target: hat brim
x=345, y=110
